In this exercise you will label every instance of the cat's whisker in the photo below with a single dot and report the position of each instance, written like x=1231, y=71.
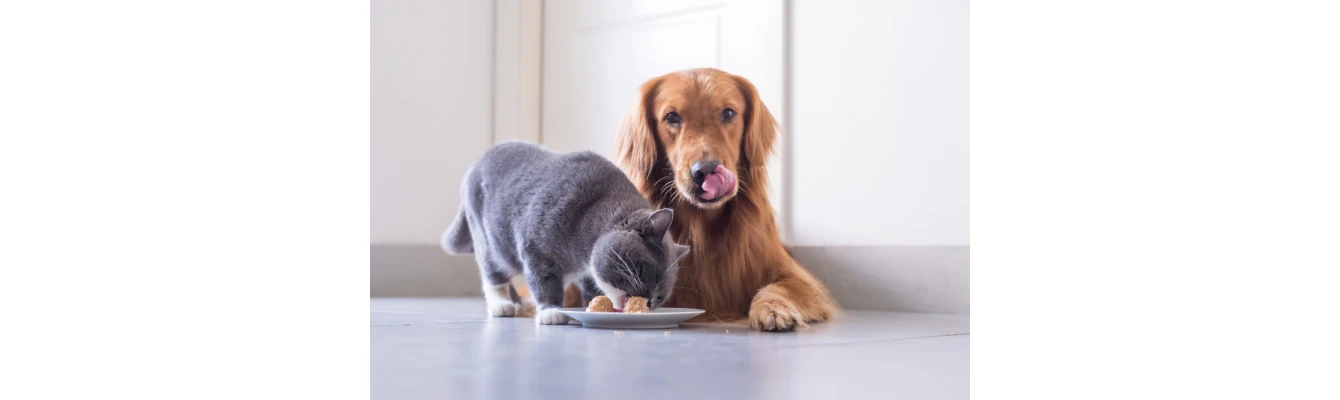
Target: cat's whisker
x=612, y=261
x=627, y=271
x=621, y=268
x=619, y=263
x=640, y=285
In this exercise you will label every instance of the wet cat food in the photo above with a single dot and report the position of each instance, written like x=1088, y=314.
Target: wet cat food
x=600, y=304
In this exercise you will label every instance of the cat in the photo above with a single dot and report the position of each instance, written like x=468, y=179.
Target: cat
x=561, y=219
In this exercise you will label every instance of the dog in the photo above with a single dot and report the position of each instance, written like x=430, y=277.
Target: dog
x=698, y=141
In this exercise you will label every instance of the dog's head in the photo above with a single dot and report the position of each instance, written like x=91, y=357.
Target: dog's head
x=698, y=136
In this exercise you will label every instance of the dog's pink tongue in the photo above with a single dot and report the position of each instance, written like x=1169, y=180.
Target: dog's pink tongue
x=719, y=183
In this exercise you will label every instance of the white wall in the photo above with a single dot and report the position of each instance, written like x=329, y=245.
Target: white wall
x=878, y=118
x=432, y=63
x=879, y=122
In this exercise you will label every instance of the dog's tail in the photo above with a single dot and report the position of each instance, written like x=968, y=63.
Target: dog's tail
x=456, y=240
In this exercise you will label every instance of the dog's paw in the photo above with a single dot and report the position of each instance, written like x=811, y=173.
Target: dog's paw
x=502, y=309
x=527, y=309
x=551, y=317
x=774, y=315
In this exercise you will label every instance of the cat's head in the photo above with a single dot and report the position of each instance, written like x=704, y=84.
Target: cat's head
x=638, y=259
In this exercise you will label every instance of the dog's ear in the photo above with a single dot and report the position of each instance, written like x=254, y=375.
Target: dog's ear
x=760, y=131
x=635, y=144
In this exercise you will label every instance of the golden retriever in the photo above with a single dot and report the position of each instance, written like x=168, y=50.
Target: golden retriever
x=698, y=141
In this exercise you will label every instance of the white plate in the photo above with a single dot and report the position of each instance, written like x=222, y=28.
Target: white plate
x=660, y=318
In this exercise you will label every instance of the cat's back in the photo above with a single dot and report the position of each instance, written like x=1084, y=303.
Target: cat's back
x=509, y=157
x=586, y=171
x=587, y=161
x=502, y=174
x=576, y=198
x=520, y=172
x=546, y=200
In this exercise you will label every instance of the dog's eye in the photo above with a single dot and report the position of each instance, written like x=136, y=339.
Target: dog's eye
x=728, y=115
x=672, y=118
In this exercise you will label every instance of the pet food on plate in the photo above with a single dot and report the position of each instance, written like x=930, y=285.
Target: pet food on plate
x=636, y=305
x=600, y=304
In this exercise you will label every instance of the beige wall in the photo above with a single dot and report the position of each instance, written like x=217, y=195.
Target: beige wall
x=432, y=91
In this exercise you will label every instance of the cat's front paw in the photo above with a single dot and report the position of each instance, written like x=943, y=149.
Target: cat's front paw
x=501, y=309
x=551, y=316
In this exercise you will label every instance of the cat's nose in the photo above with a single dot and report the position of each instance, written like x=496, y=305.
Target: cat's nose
x=701, y=169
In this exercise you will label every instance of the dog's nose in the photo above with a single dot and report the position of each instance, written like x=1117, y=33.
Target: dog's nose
x=702, y=169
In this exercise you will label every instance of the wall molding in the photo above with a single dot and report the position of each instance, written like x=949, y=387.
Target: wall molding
x=422, y=270
x=518, y=52
x=930, y=279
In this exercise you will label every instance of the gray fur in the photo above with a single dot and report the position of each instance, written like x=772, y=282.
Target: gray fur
x=527, y=210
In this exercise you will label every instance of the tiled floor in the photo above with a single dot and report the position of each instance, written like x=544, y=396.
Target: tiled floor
x=448, y=349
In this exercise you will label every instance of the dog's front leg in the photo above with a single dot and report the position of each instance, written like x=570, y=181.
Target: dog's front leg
x=795, y=299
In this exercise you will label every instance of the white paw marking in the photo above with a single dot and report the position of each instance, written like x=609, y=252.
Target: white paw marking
x=500, y=309
x=551, y=317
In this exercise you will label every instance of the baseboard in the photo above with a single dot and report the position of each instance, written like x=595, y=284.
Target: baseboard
x=931, y=279
x=412, y=270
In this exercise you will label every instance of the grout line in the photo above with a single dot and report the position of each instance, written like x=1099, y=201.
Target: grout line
x=787, y=135
x=493, y=79
x=539, y=82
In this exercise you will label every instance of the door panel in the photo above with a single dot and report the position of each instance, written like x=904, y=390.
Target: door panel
x=594, y=63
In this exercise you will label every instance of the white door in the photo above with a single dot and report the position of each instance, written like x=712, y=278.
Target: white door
x=597, y=53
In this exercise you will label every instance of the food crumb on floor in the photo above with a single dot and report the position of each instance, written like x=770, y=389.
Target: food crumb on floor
x=617, y=333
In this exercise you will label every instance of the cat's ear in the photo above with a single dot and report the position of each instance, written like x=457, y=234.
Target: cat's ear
x=679, y=251
x=657, y=223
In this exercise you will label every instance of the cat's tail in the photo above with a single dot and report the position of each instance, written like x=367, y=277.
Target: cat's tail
x=456, y=240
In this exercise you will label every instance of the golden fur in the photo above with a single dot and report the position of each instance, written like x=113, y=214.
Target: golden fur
x=738, y=267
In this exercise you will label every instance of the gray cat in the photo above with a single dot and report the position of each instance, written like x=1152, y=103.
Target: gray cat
x=559, y=219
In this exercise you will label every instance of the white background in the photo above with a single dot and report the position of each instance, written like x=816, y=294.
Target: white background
x=1153, y=200
x=193, y=222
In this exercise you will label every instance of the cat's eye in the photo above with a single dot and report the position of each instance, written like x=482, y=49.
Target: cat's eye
x=673, y=118
x=728, y=115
